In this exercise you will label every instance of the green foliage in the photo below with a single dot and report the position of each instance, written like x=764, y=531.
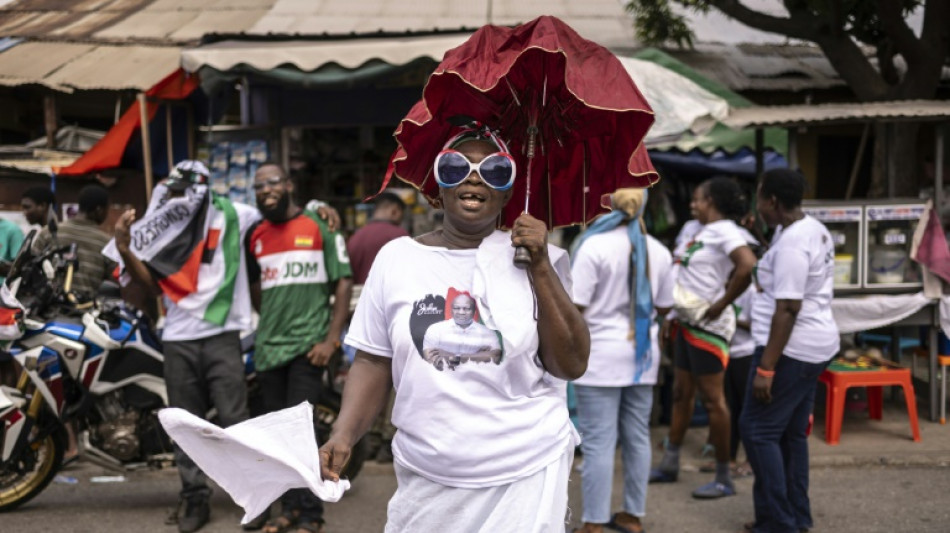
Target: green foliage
x=656, y=22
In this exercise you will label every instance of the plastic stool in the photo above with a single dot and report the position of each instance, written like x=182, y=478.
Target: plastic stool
x=838, y=383
x=944, y=362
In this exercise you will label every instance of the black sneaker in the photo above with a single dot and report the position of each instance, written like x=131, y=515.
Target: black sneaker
x=385, y=453
x=197, y=513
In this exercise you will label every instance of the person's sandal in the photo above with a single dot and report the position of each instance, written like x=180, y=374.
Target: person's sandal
x=713, y=490
x=662, y=476
x=624, y=528
x=281, y=524
x=309, y=527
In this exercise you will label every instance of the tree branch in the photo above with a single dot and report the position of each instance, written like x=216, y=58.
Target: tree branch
x=793, y=26
x=936, y=32
x=890, y=13
x=885, y=62
x=853, y=66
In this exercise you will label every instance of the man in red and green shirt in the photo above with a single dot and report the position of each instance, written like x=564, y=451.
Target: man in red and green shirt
x=295, y=264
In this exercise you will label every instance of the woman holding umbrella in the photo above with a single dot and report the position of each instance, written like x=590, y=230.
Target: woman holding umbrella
x=482, y=445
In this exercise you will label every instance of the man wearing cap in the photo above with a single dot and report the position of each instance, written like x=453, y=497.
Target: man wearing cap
x=207, y=304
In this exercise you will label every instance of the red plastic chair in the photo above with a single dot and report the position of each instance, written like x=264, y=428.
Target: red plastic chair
x=838, y=383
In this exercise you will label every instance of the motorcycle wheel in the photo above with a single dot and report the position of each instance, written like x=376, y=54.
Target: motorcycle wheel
x=19, y=484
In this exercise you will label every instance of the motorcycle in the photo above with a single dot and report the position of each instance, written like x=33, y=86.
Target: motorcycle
x=97, y=364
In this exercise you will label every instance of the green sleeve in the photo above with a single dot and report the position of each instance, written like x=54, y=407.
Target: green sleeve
x=14, y=241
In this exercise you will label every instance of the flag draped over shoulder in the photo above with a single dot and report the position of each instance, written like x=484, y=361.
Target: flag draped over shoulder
x=192, y=246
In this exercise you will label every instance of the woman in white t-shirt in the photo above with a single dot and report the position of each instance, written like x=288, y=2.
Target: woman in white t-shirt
x=714, y=269
x=620, y=282
x=482, y=443
x=795, y=337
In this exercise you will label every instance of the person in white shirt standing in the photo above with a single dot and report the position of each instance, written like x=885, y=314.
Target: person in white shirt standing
x=795, y=337
x=480, y=446
x=712, y=272
x=621, y=280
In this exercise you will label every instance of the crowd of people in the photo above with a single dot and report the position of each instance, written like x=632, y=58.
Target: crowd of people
x=463, y=358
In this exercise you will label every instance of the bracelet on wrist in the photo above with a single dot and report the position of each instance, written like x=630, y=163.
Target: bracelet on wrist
x=764, y=373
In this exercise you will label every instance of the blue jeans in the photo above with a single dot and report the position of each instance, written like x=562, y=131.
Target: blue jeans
x=603, y=414
x=775, y=442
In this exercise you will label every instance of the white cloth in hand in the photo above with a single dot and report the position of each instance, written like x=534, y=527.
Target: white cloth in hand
x=258, y=460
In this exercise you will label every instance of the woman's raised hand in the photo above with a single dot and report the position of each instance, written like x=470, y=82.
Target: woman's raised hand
x=533, y=235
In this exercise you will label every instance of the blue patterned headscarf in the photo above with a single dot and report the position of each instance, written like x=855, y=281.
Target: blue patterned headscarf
x=629, y=205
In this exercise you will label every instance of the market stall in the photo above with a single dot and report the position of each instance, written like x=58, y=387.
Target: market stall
x=876, y=283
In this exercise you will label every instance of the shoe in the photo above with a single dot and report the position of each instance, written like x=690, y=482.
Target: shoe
x=617, y=526
x=197, y=514
x=385, y=453
x=713, y=490
x=258, y=522
x=662, y=476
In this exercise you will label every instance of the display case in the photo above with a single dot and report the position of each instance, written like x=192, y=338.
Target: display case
x=845, y=222
x=889, y=231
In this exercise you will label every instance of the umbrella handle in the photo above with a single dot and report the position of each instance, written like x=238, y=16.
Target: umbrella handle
x=522, y=257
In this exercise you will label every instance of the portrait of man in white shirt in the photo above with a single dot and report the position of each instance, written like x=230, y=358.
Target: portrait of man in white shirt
x=460, y=339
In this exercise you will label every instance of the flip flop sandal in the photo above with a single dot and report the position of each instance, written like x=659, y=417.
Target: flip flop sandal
x=309, y=527
x=623, y=529
x=281, y=524
x=713, y=490
x=662, y=476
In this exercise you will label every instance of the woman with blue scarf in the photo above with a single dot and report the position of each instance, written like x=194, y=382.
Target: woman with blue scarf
x=620, y=282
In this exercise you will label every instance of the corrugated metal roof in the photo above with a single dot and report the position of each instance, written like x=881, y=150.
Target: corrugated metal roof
x=168, y=21
x=802, y=115
x=67, y=66
x=762, y=67
x=69, y=18
x=119, y=67
x=33, y=62
x=604, y=21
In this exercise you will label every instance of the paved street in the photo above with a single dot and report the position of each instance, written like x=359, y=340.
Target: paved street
x=876, y=480
x=868, y=499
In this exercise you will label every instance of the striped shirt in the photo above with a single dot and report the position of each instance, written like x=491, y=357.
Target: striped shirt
x=93, y=267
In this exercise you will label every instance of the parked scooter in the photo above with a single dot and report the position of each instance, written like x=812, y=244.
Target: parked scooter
x=99, y=364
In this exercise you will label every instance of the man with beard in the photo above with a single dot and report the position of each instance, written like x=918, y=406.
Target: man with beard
x=295, y=264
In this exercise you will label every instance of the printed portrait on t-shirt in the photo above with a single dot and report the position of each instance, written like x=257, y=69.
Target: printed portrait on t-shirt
x=448, y=332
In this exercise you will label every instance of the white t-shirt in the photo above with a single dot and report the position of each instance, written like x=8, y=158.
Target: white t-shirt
x=686, y=235
x=704, y=265
x=742, y=344
x=600, y=271
x=799, y=265
x=474, y=423
x=183, y=326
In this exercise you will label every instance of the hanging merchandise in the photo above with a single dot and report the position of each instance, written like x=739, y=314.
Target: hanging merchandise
x=233, y=165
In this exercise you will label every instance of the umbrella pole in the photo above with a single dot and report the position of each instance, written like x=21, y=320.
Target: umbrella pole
x=522, y=256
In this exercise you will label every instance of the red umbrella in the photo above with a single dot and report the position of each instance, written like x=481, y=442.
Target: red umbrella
x=571, y=115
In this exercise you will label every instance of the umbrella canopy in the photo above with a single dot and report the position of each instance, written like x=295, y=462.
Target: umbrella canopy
x=567, y=108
